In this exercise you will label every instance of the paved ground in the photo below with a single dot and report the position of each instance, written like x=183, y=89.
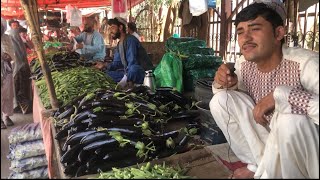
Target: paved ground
x=19, y=120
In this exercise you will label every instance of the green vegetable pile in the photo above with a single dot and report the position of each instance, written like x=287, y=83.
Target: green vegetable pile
x=55, y=44
x=72, y=83
x=146, y=172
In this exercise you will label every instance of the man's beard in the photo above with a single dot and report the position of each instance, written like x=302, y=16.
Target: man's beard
x=88, y=29
x=116, y=35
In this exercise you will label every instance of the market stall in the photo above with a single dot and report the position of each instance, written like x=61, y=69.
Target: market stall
x=79, y=114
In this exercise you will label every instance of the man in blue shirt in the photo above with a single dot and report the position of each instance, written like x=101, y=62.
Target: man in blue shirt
x=124, y=68
x=91, y=43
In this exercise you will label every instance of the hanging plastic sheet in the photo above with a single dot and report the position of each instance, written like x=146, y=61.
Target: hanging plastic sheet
x=73, y=16
x=211, y=3
x=119, y=8
x=198, y=7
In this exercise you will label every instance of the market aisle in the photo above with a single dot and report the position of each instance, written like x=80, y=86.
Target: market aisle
x=19, y=120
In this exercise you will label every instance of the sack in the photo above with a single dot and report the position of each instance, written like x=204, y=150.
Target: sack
x=28, y=132
x=168, y=73
x=37, y=173
x=30, y=163
x=143, y=57
x=25, y=150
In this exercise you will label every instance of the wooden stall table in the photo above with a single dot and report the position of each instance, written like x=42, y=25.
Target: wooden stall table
x=200, y=163
x=42, y=115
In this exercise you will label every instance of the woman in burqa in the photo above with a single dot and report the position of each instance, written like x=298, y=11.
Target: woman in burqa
x=21, y=74
x=6, y=77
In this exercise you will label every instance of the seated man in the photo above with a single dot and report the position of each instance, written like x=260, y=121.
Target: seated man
x=269, y=113
x=124, y=68
x=91, y=43
x=132, y=29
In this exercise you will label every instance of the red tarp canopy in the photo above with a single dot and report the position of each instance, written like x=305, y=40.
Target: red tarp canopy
x=12, y=8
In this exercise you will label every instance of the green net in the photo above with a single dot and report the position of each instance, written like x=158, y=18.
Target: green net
x=179, y=45
x=191, y=77
x=196, y=61
x=197, y=50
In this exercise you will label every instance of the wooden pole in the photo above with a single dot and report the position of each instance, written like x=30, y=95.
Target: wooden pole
x=30, y=9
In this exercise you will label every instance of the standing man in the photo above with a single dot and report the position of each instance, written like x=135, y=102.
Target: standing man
x=26, y=40
x=21, y=72
x=132, y=29
x=91, y=43
x=7, y=91
x=271, y=120
x=124, y=68
x=14, y=24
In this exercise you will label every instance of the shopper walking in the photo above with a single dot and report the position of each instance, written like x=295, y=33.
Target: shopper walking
x=6, y=77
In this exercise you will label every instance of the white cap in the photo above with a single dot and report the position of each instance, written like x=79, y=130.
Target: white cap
x=276, y=5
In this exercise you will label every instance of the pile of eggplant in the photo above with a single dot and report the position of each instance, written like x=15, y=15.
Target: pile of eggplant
x=113, y=128
x=58, y=61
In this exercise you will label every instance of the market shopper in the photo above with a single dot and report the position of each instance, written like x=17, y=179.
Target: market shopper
x=7, y=91
x=26, y=39
x=21, y=74
x=14, y=24
x=268, y=109
x=132, y=29
x=124, y=68
x=91, y=43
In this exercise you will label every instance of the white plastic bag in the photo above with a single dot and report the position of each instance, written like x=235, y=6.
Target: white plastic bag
x=68, y=13
x=123, y=81
x=198, y=7
x=76, y=17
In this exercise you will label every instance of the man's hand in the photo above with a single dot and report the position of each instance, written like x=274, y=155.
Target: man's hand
x=79, y=46
x=7, y=57
x=69, y=47
x=263, y=107
x=225, y=77
x=100, y=65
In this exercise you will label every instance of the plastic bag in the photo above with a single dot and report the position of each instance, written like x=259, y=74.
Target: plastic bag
x=28, y=132
x=76, y=17
x=212, y=3
x=26, y=149
x=169, y=72
x=28, y=163
x=68, y=12
x=198, y=7
x=38, y=173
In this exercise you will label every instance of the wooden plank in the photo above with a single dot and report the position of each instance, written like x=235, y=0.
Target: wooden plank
x=57, y=153
x=200, y=164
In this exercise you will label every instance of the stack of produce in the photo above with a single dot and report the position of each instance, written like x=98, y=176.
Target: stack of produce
x=109, y=128
x=57, y=61
x=72, y=83
x=147, y=171
x=27, y=154
x=197, y=60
